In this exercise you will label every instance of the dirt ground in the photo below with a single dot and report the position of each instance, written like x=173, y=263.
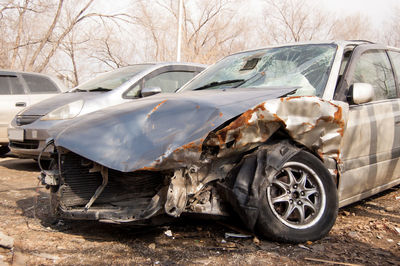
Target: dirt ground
x=366, y=233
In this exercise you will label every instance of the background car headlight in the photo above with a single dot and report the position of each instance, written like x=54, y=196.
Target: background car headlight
x=67, y=111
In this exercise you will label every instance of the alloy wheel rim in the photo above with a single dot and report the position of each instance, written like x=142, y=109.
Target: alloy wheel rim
x=296, y=196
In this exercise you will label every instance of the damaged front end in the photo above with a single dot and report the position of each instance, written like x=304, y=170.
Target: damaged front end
x=84, y=190
x=185, y=177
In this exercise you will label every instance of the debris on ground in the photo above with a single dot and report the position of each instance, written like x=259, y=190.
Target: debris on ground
x=369, y=237
x=168, y=233
x=303, y=247
x=235, y=235
x=6, y=241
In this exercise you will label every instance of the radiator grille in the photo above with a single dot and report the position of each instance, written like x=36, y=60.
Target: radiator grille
x=26, y=144
x=78, y=185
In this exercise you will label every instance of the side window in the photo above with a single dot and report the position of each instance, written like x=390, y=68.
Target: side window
x=39, y=84
x=134, y=92
x=395, y=56
x=169, y=81
x=10, y=85
x=374, y=68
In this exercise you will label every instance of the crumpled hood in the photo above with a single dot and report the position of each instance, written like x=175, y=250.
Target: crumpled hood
x=142, y=133
x=50, y=104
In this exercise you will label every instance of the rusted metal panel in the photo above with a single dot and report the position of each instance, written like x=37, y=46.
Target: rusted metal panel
x=317, y=124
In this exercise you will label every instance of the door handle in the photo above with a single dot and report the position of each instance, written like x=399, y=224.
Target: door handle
x=20, y=104
x=397, y=120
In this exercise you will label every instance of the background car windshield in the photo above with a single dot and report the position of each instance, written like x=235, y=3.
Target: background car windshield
x=112, y=79
x=305, y=67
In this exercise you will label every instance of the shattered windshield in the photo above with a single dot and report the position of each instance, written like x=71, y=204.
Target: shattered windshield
x=306, y=68
x=111, y=80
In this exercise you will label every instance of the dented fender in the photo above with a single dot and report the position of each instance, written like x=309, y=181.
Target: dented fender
x=313, y=122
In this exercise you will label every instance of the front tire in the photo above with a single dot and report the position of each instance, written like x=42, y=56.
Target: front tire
x=4, y=149
x=300, y=202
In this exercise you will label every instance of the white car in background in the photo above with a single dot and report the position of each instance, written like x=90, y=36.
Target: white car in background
x=19, y=90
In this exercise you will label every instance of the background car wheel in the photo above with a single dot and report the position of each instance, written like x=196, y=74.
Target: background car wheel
x=4, y=149
x=301, y=202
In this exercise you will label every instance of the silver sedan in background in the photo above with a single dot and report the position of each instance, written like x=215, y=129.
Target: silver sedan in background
x=28, y=130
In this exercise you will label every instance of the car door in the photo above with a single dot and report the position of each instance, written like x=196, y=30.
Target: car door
x=40, y=87
x=168, y=78
x=13, y=99
x=370, y=144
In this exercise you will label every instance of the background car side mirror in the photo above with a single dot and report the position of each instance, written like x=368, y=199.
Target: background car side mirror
x=150, y=91
x=361, y=93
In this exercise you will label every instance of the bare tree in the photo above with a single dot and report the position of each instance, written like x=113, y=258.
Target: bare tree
x=294, y=21
x=209, y=32
x=391, y=33
x=353, y=27
x=44, y=33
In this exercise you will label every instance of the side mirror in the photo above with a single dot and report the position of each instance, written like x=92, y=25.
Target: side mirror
x=362, y=93
x=150, y=91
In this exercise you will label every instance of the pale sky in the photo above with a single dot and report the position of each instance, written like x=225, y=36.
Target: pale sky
x=377, y=10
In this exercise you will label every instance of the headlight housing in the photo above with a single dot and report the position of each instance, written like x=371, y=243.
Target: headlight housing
x=67, y=111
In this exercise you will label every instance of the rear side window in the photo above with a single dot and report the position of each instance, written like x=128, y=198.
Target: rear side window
x=10, y=85
x=169, y=81
x=39, y=84
x=374, y=68
x=395, y=56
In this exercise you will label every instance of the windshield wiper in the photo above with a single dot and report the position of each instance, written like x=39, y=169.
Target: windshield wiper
x=100, y=89
x=96, y=89
x=217, y=83
x=79, y=90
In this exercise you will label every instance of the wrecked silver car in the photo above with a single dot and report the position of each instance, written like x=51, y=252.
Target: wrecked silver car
x=281, y=137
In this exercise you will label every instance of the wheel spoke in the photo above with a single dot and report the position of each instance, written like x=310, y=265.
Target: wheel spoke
x=310, y=191
x=281, y=198
x=288, y=211
x=292, y=179
x=303, y=180
x=302, y=212
x=310, y=204
x=281, y=184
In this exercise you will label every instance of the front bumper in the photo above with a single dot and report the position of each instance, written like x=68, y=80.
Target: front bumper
x=32, y=144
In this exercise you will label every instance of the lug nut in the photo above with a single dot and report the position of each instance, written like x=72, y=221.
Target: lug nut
x=290, y=201
x=299, y=202
x=295, y=186
x=302, y=193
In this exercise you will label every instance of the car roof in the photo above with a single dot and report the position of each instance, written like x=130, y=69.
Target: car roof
x=14, y=72
x=342, y=43
x=160, y=64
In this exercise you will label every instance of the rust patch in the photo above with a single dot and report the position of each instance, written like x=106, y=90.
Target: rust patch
x=339, y=117
x=259, y=107
x=146, y=168
x=277, y=118
x=239, y=122
x=155, y=108
x=190, y=146
x=221, y=114
x=197, y=106
x=291, y=98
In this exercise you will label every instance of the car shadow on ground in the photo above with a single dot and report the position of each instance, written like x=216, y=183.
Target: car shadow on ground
x=14, y=163
x=191, y=240
x=371, y=209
